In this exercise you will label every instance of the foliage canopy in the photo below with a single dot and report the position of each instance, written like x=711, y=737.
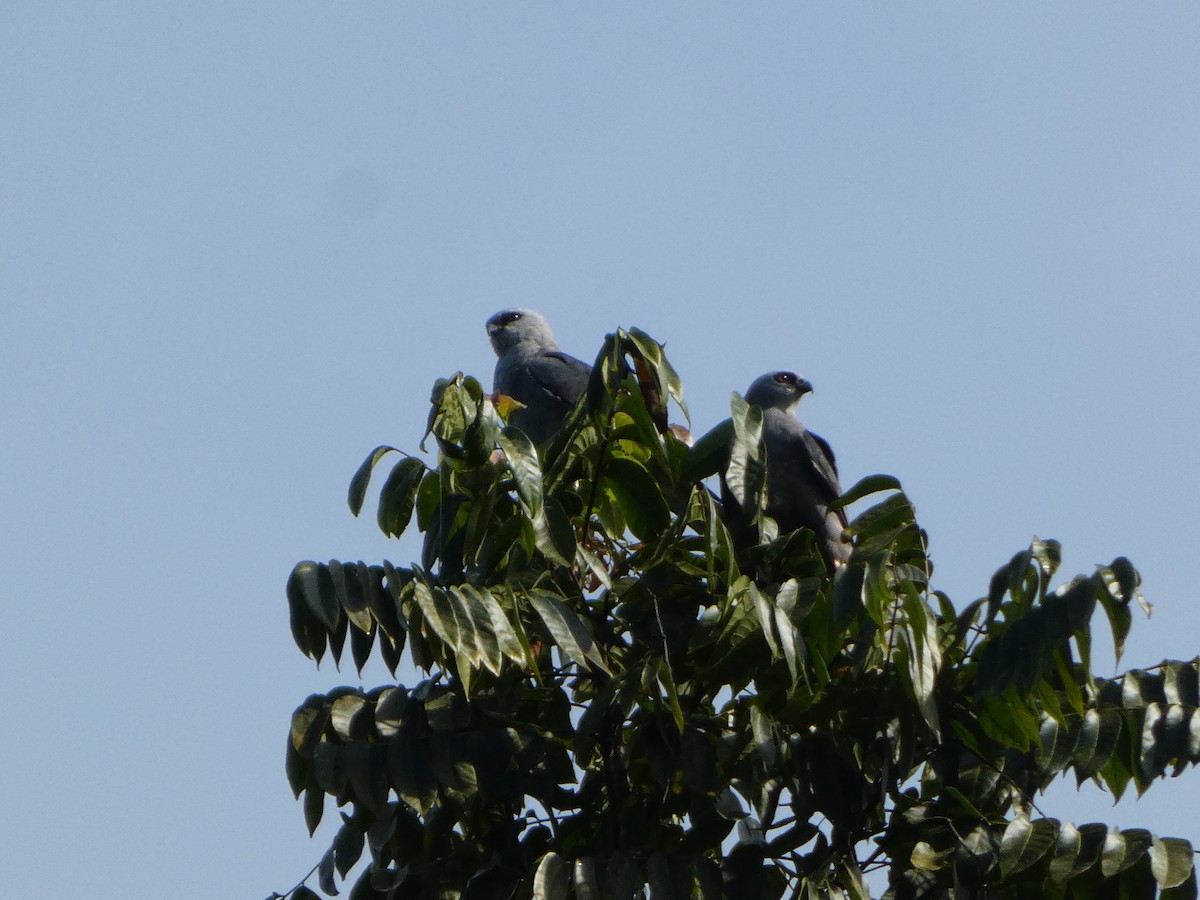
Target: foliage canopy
x=622, y=694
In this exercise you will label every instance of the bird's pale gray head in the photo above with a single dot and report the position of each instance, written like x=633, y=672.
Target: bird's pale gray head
x=778, y=390
x=511, y=327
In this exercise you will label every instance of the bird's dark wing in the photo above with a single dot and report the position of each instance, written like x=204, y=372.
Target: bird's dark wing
x=825, y=467
x=559, y=374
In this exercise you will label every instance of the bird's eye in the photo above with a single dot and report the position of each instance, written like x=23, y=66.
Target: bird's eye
x=785, y=378
x=509, y=318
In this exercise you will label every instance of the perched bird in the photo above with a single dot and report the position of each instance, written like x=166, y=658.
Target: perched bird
x=802, y=478
x=532, y=370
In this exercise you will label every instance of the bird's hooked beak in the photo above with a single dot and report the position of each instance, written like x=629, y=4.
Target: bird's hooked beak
x=803, y=386
x=493, y=328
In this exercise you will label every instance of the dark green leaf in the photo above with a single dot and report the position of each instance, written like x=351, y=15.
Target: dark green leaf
x=347, y=847
x=399, y=496
x=887, y=517
x=410, y=769
x=367, y=768
x=325, y=869
x=314, y=808
x=358, y=484
x=312, y=583
x=297, y=769
x=872, y=484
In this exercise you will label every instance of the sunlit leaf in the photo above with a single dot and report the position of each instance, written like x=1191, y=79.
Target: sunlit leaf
x=551, y=880
x=438, y=611
x=1171, y=860
x=521, y=457
x=1025, y=842
x=567, y=629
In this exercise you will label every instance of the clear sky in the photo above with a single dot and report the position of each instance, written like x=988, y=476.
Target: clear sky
x=238, y=243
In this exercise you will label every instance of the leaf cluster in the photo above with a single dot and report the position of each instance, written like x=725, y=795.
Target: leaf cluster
x=622, y=693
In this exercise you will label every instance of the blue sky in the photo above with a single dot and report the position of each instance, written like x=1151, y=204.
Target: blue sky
x=241, y=241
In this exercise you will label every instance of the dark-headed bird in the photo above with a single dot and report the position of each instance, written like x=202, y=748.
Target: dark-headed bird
x=533, y=371
x=802, y=478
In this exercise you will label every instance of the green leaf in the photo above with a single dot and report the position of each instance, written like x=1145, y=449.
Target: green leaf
x=399, y=495
x=522, y=461
x=566, y=629
x=468, y=653
x=872, y=484
x=1113, y=853
x=314, y=808
x=667, y=679
x=652, y=352
x=1056, y=745
x=315, y=585
x=709, y=455
x=342, y=712
x=790, y=641
x=926, y=859
x=358, y=484
x=556, y=535
x=1116, y=608
x=1066, y=850
x=1171, y=861
x=1025, y=842
x=499, y=626
x=1098, y=734
x=429, y=496
x=594, y=565
x=367, y=768
x=299, y=615
x=587, y=880
x=1184, y=891
x=766, y=618
x=308, y=724
x=552, y=879
x=347, y=847
x=745, y=475
x=409, y=768
x=622, y=878
x=325, y=869
x=438, y=611
x=637, y=494
x=664, y=877
x=876, y=527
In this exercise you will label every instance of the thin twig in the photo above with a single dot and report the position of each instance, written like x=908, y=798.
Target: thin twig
x=299, y=884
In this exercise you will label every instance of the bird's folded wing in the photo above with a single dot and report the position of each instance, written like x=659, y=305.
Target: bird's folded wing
x=559, y=374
